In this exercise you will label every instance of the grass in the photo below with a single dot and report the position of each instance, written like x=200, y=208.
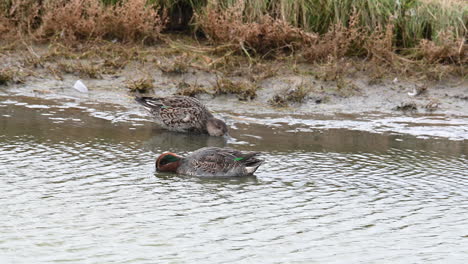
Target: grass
x=293, y=95
x=141, y=85
x=83, y=69
x=236, y=38
x=253, y=24
x=399, y=34
x=6, y=75
x=243, y=90
x=11, y=75
x=224, y=86
x=414, y=19
x=82, y=20
x=177, y=65
x=188, y=89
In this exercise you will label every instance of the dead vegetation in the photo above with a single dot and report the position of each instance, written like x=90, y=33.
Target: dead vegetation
x=269, y=37
x=188, y=89
x=293, y=95
x=223, y=86
x=82, y=69
x=87, y=61
x=83, y=20
x=407, y=107
x=113, y=65
x=11, y=75
x=141, y=85
x=238, y=46
x=384, y=35
x=243, y=90
x=432, y=105
x=177, y=65
x=6, y=75
x=449, y=51
x=338, y=42
x=262, y=37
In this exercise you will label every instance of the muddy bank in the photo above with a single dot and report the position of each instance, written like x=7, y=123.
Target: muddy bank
x=113, y=72
x=387, y=97
x=250, y=92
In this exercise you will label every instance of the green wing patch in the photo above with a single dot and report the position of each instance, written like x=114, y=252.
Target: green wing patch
x=165, y=106
x=238, y=159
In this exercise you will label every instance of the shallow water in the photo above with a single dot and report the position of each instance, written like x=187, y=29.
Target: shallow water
x=78, y=185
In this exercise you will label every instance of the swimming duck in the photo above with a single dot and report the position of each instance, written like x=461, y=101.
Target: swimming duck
x=183, y=114
x=210, y=162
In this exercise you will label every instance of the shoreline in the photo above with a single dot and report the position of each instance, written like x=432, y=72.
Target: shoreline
x=353, y=100
x=264, y=86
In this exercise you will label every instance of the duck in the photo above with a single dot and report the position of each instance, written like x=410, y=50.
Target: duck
x=210, y=162
x=183, y=114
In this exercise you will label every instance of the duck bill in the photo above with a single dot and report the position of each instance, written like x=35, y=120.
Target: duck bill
x=227, y=136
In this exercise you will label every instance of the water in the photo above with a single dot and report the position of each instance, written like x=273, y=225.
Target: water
x=78, y=185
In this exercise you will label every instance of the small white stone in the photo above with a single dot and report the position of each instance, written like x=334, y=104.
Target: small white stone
x=413, y=93
x=80, y=87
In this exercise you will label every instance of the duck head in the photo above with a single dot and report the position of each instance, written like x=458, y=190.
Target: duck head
x=168, y=162
x=216, y=127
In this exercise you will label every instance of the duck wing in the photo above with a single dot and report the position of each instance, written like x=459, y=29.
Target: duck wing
x=212, y=161
x=182, y=119
x=183, y=102
x=171, y=101
x=179, y=113
x=150, y=103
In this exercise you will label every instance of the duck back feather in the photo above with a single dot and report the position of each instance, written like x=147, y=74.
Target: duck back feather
x=219, y=162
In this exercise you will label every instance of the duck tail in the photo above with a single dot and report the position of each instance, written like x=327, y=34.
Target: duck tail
x=252, y=163
x=149, y=102
x=252, y=167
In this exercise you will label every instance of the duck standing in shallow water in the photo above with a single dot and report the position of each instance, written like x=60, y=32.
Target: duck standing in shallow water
x=183, y=114
x=210, y=162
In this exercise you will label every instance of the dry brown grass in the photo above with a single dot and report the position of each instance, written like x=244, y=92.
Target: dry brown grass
x=19, y=17
x=239, y=35
x=11, y=75
x=338, y=42
x=141, y=85
x=293, y=95
x=113, y=65
x=73, y=26
x=243, y=90
x=377, y=46
x=176, y=65
x=77, y=20
x=6, y=75
x=262, y=37
x=381, y=55
x=5, y=28
x=450, y=50
x=354, y=40
x=188, y=89
x=82, y=69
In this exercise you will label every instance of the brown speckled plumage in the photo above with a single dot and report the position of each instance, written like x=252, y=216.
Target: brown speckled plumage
x=183, y=114
x=211, y=162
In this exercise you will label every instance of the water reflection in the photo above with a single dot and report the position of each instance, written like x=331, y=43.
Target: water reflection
x=219, y=181
x=78, y=187
x=180, y=142
x=85, y=122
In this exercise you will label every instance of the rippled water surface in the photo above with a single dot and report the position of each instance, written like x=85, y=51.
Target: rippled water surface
x=78, y=185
